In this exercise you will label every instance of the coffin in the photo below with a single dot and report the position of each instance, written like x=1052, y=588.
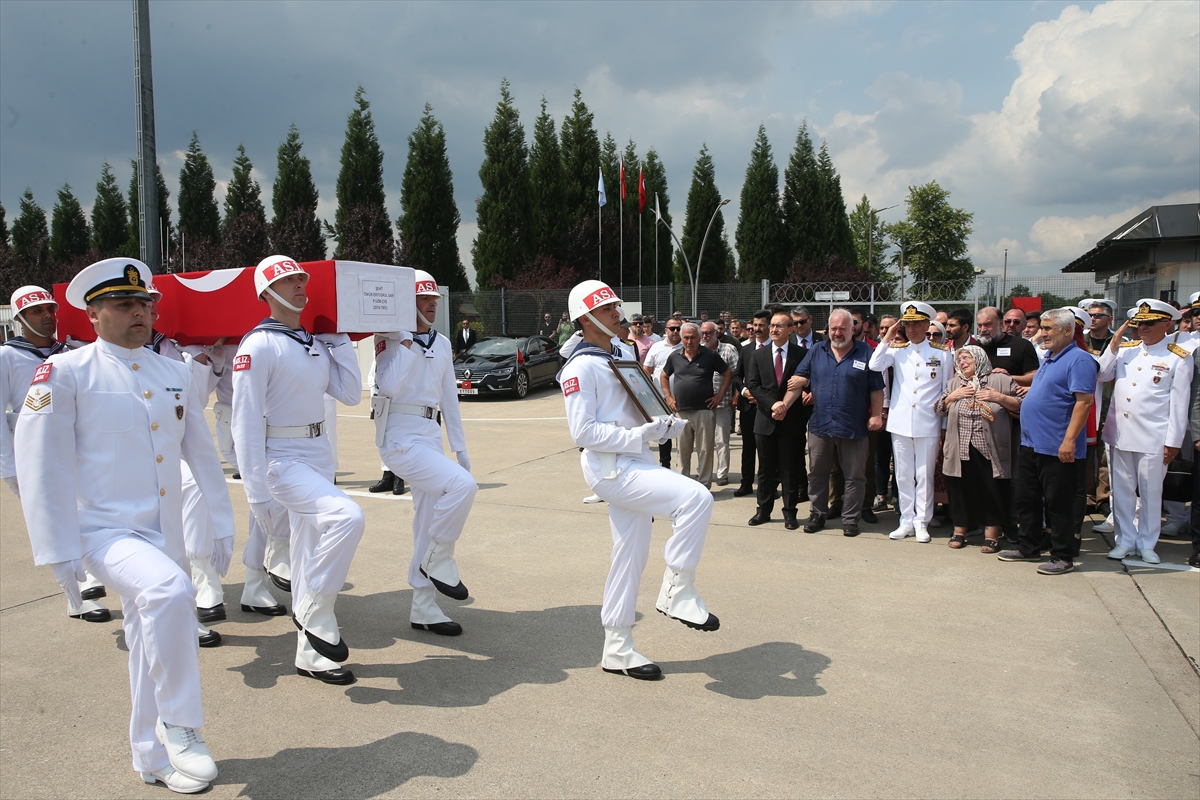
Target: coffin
x=202, y=307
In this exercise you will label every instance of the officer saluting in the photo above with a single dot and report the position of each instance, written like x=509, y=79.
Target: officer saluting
x=109, y=424
x=619, y=468
x=280, y=377
x=34, y=309
x=415, y=376
x=1146, y=422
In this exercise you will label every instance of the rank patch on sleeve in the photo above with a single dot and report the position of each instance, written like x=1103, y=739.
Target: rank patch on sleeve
x=570, y=386
x=241, y=362
x=380, y=346
x=39, y=400
x=42, y=374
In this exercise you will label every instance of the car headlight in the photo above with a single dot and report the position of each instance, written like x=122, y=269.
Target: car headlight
x=501, y=373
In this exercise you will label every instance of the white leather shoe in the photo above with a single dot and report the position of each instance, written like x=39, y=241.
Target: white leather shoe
x=1148, y=556
x=590, y=499
x=901, y=533
x=1104, y=527
x=175, y=781
x=1119, y=552
x=923, y=536
x=188, y=753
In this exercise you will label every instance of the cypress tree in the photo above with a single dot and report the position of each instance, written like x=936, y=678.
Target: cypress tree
x=5, y=240
x=611, y=166
x=630, y=220
x=31, y=243
x=198, y=215
x=167, y=231
x=548, y=187
x=295, y=229
x=656, y=183
x=703, y=200
x=761, y=243
x=9, y=279
x=803, y=204
x=69, y=234
x=581, y=158
x=839, y=241
x=362, y=226
x=110, y=216
x=428, y=223
x=244, y=195
x=504, y=244
x=244, y=230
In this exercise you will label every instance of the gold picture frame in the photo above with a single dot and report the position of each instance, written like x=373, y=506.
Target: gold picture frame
x=642, y=391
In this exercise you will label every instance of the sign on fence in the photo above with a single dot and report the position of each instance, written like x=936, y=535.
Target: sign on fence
x=831, y=297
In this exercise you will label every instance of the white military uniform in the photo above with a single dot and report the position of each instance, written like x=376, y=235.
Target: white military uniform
x=419, y=381
x=618, y=466
x=1148, y=411
x=921, y=371
x=280, y=382
x=109, y=425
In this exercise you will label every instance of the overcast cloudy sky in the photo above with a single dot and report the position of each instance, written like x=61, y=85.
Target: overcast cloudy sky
x=1053, y=122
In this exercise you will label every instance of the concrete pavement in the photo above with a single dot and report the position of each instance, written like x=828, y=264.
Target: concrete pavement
x=843, y=667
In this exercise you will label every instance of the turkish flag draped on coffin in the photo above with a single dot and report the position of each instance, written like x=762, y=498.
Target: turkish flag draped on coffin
x=202, y=307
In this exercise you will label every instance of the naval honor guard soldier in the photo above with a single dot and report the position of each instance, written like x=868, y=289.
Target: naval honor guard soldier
x=414, y=373
x=1146, y=423
x=35, y=311
x=921, y=370
x=618, y=467
x=110, y=424
x=280, y=376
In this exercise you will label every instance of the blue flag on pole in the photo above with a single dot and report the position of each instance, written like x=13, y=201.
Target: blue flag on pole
x=603, y=199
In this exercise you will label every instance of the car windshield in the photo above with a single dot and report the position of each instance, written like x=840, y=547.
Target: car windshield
x=494, y=349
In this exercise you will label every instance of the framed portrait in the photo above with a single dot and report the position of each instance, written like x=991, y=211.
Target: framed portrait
x=645, y=395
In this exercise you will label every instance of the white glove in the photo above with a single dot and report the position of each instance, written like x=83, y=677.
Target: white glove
x=69, y=574
x=222, y=554
x=463, y=461
x=395, y=335
x=675, y=427
x=654, y=430
x=262, y=513
x=332, y=340
x=12, y=484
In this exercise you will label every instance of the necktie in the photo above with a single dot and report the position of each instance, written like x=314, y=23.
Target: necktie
x=779, y=367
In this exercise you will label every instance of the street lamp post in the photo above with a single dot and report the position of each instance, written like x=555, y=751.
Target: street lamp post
x=871, y=234
x=703, y=242
x=693, y=277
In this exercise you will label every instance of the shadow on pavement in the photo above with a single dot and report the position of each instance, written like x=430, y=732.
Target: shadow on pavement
x=355, y=773
x=771, y=669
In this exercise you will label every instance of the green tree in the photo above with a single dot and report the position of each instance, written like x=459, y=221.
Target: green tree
x=761, y=239
x=548, y=187
x=69, y=233
x=703, y=199
x=863, y=221
x=295, y=229
x=803, y=203
x=362, y=226
x=199, y=219
x=166, y=230
x=610, y=164
x=5, y=240
x=656, y=184
x=244, y=195
x=504, y=243
x=581, y=159
x=428, y=223
x=9, y=278
x=244, y=231
x=839, y=240
x=31, y=243
x=934, y=236
x=110, y=216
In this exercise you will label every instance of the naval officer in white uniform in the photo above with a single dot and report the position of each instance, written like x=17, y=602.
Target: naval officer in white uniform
x=109, y=424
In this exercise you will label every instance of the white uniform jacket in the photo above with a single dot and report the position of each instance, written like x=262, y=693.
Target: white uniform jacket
x=1149, y=407
x=109, y=425
x=601, y=416
x=279, y=381
x=418, y=377
x=19, y=359
x=921, y=372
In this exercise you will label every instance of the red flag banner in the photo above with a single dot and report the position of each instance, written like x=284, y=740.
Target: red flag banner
x=641, y=190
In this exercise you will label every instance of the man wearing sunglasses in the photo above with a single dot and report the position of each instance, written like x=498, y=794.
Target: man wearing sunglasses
x=656, y=359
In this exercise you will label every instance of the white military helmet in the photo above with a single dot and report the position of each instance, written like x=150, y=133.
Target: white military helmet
x=272, y=268
x=30, y=296
x=588, y=296
x=425, y=284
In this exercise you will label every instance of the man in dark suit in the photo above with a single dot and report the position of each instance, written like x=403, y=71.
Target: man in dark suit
x=802, y=331
x=465, y=337
x=780, y=443
x=746, y=403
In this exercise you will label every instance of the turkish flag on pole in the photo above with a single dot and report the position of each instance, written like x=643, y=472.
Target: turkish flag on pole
x=622, y=178
x=641, y=190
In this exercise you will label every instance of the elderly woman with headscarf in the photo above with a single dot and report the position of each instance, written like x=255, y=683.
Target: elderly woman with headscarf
x=977, y=452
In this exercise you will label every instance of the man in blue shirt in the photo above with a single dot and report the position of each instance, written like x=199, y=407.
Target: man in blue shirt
x=847, y=403
x=1053, y=445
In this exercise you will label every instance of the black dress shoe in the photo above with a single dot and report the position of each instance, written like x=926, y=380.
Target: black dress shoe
x=384, y=484
x=282, y=584
x=338, y=677
x=790, y=522
x=835, y=510
x=94, y=593
x=868, y=515
x=455, y=592
x=440, y=628
x=237, y=476
x=850, y=530
x=759, y=519
x=815, y=522
x=214, y=614
x=334, y=652
x=99, y=615
x=210, y=639
x=710, y=624
x=742, y=491
x=268, y=611
x=646, y=672
x=399, y=487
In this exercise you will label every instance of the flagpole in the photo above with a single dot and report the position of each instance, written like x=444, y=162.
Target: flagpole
x=639, y=257
x=621, y=228
x=601, y=200
x=656, y=259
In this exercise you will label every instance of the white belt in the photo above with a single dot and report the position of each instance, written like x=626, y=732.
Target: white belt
x=310, y=431
x=428, y=412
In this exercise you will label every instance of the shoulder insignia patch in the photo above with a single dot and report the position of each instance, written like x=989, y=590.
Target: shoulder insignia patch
x=1130, y=344
x=1177, y=350
x=42, y=374
x=39, y=400
x=380, y=346
x=937, y=346
x=241, y=362
x=570, y=386
x=899, y=344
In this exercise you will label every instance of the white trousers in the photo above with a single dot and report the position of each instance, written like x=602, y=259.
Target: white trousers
x=159, y=606
x=635, y=496
x=255, y=552
x=442, y=492
x=330, y=427
x=916, y=457
x=723, y=426
x=1143, y=472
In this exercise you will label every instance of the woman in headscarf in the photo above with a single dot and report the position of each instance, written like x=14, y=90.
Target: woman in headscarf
x=977, y=453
